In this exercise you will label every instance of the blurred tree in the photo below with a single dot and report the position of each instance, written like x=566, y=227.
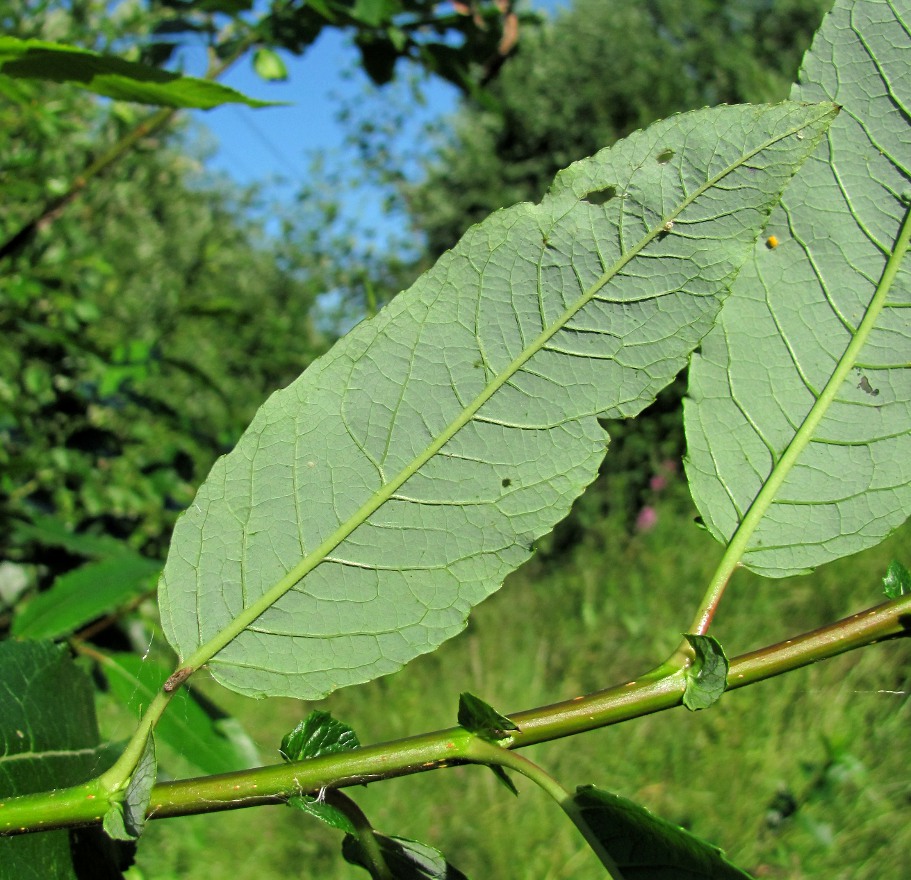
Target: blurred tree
x=141, y=331
x=596, y=73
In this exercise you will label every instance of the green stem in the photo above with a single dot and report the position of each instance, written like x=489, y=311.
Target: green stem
x=483, y=752
x=365, y=834
x=740, y=540
x=87, y=803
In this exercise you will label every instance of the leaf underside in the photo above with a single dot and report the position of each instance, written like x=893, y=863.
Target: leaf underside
x=796, y=307
x=398, y=481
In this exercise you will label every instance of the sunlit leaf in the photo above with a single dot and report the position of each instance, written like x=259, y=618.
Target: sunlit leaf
x=318, y=734
x=394, y=485
x=808, y=359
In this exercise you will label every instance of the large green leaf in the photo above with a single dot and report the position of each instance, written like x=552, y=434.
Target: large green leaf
x=48, y=739
x=113, y=77
x=405, y=474
x=783, y=344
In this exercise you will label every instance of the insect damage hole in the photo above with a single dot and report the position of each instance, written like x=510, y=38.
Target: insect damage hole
x=601, y=196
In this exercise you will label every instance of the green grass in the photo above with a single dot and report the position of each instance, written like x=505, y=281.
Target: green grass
x=801, y=777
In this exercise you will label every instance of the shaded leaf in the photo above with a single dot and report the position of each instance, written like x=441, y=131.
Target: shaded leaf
x=52, y=532
x=318, y=734
x=396, y=483
x=644, y=847
x=805, y=323
x=192, y=729
x=504, y=779
x=48, y=739
x=113, y=77
x=406, y=859
x=897, y=581
x=81, y=595
x=707, y=678
x=327, y=813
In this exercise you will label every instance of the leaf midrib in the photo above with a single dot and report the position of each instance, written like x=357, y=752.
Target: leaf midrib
x=319, y=554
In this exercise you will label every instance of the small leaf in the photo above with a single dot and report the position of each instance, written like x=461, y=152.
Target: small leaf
x=268, y=65
x=318, y=734
x=406, y=859
x=897, y=581
x=503, y=776
x=707, y=678
x=81, y=595
x=482, y=719
x=126, y=820
x=113, y=77
x=332, y=816
x=644, y=847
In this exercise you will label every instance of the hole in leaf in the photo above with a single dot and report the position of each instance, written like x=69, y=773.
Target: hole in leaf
x=665, y=156
x=601, y=196
x=865, y=385
x=506, y=482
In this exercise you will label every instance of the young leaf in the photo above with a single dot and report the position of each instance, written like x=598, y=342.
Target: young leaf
x=481, y=718
x=897, y=581
x=397, y=482
x=319, y=809
x=803, y=384
x=644, y=847
x=406, y=859
x=126, y=820
x=269, y=65
x=81, y=595
x=318, y=734
x=48, y=739
x=188, y=727
x=707, y=678
x=113, y=77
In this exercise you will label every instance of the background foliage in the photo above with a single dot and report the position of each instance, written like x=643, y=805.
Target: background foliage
x=145, y=325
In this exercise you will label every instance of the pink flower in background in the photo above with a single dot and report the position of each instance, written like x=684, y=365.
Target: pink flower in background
x=647, y=518
x=657, y=482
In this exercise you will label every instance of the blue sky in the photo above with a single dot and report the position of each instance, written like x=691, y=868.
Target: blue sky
x=257, y=145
